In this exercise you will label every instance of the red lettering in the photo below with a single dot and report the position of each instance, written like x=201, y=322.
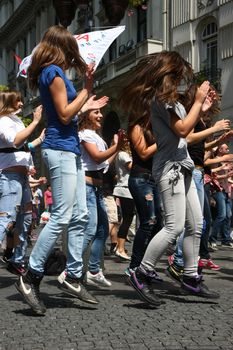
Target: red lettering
x=82, y=37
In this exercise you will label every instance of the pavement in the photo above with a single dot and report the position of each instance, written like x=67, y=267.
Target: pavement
x=121, y=321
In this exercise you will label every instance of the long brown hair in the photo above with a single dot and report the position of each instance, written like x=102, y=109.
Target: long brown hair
x=8, y=100
x=155, y=76
x=58, y=46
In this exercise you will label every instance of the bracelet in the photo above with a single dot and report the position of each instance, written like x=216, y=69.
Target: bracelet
x=31, y=147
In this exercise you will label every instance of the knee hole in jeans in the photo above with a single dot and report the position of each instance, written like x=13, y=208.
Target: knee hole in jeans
x=149, y=197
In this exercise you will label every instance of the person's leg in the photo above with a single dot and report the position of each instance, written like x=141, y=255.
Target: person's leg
x=147, y=202
x=23, y=224
x=220, y=216
x=101, y=234
x=127, y=209
x=226, y=226
x=10, y=201
x=193, y=228
x=174, y=204
x=91, y=225
x=77, y=226
x=198, y=180
x=63, y=176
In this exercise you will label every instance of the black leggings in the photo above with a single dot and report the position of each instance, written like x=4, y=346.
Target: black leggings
x=127, y=213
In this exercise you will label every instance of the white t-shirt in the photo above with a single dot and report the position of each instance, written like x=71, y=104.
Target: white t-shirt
x=9, y=126
x=121, y=188
x=90, y=136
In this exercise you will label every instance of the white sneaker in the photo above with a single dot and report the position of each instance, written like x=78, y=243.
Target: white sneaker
x=97, y=280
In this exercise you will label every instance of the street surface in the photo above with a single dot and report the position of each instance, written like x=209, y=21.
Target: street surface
x=121, y=321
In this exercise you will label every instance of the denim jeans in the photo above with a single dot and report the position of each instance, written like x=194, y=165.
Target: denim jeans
x=69, y=212
x=199, y=183
x=147, y=201
x=97, y=228
x=15, y=193
x=223, y=215
x=181, y=210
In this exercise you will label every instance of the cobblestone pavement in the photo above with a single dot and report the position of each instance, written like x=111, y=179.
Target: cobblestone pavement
x=121, y=320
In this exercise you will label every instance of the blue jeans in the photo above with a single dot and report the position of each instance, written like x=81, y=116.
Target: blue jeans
x=222, y=219
x=199, y=183
x=97, y=228
x=15, y=199
x=147, y=202
x=69, y=212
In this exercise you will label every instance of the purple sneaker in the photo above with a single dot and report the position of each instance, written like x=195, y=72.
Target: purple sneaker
x=141, y=282
x=195, y=286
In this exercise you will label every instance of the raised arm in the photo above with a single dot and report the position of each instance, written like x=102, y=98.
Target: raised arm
x=139, y=143
x=182, y=127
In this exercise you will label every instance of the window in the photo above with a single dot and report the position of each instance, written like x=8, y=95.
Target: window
x=210, y=45
x=142, y=24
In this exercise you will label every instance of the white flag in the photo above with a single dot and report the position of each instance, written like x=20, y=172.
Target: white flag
x=92, y=47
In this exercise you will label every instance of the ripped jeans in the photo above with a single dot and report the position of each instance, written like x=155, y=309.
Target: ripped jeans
x=147, y=202
x=181, y=210
x=15, y=211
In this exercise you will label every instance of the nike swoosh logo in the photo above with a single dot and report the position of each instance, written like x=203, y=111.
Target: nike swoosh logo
x=139, y=285
x=78, y=289
x=25, y=290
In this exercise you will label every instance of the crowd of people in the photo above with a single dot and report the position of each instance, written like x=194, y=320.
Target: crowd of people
x=172, y=167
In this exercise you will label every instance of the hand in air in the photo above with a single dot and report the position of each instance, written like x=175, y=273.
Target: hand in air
x=95, y=104
x=202, y=92
x=222, y=125
x=37, y=114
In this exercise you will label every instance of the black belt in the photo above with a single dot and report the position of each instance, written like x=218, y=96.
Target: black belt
x=13, y=149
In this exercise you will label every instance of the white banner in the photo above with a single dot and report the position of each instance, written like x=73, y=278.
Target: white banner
x=92, y=47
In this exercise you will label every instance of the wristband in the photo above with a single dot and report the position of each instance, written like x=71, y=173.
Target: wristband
x=31, y=147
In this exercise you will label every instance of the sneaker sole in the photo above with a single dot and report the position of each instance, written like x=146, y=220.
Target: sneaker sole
x=95, y=284
x=37, y=312
x=142, y=296
x=172, y=278
x=190, y=293
x=88, y=301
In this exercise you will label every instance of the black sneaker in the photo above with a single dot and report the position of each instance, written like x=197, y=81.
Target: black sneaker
x=142, y=284
x=175, y=272
x=28, y=286
x=16, y=269
x=195, y=286
x=74, y=287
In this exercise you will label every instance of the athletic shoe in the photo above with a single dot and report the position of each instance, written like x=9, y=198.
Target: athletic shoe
x=175, y=272
x=123, y=257
x=213, y=246
x=170, y=259
x=140, y=280
x=195, y=286
x=74, y=287
x=29, y=287
x=128, y=271
x=16, y=269
x=97, y=280
x=208, y=264
x=227, y=245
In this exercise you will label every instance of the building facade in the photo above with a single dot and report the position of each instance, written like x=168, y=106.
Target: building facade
x=201, y=30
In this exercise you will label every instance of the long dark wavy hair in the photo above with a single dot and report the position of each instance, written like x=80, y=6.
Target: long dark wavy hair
x=157, y=76
x=59, y=47
x=8, y=100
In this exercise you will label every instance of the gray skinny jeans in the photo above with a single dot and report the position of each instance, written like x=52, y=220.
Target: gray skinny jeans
x=181, y=210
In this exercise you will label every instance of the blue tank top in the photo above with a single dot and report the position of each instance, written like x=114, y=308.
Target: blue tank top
x=58, y=136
